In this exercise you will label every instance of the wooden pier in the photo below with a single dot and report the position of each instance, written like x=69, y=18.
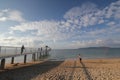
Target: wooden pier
x=12, y=52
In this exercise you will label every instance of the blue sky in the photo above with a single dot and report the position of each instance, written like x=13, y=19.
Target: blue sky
x=60, y=23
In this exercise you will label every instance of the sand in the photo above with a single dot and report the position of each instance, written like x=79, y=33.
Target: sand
x=73, y=69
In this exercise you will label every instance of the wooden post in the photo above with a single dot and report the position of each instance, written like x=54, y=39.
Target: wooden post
x=46, y=50
x=25, y=58
x=37, y=55
x=12, y=60
x=33, y=57
x=2, y=64
x=40, y=55
x=0, y=49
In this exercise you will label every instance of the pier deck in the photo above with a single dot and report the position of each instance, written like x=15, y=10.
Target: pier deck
x=12, y=52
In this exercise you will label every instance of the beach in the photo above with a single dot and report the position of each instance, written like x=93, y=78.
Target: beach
x=70, y=69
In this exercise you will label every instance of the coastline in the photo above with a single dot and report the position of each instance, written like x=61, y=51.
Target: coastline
x=72, y=69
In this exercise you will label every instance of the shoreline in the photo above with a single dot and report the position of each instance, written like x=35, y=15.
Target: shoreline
x=18, y=65
x=84, y=59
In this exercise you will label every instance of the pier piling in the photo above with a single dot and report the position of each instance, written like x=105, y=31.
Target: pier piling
x=25, y=58
x=2, y=66
x=33, y=57
x=12, y=60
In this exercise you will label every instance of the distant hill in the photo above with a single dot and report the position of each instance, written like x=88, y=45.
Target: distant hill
x=95, y=48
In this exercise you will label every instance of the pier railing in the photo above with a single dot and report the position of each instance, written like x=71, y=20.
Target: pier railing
x=12, y=52
x=9, y=50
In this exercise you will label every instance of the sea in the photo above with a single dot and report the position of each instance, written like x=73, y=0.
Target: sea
x=63, y=54
x=103, y=53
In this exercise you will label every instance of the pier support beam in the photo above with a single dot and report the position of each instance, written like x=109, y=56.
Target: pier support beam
x=40, y=55
x=25, y=58
x=12, y=60
x=33, y=57
x=37, y=55
x=2, y=66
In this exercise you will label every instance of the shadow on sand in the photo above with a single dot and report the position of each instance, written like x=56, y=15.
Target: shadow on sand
x=29, y=72
x=73, y=70
x=87, y=73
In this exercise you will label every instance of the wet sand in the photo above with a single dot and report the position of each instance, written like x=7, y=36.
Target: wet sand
x=96, y=69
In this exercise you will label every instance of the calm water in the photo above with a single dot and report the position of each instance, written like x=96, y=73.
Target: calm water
x=85, y=53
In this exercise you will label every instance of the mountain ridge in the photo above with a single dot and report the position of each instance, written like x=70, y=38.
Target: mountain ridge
x=97, y=48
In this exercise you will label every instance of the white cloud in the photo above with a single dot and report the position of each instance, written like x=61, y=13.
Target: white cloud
x=8, y=41
x=18, y=41
x=77, y=12
x=43, y=27
x=111, y=23
x=101, y=21
x=12, y=15
x=113, y=10
x=15, y=15
x=72, y=27
x=48, y=30
x=86, y=15
x=3, y=19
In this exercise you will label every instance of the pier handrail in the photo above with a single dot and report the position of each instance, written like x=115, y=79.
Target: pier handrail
x=8, y=56
x=10, y=50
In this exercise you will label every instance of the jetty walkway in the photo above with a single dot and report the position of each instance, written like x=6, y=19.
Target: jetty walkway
x=12, y=52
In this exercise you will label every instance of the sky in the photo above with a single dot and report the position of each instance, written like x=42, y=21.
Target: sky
x=60, y=24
